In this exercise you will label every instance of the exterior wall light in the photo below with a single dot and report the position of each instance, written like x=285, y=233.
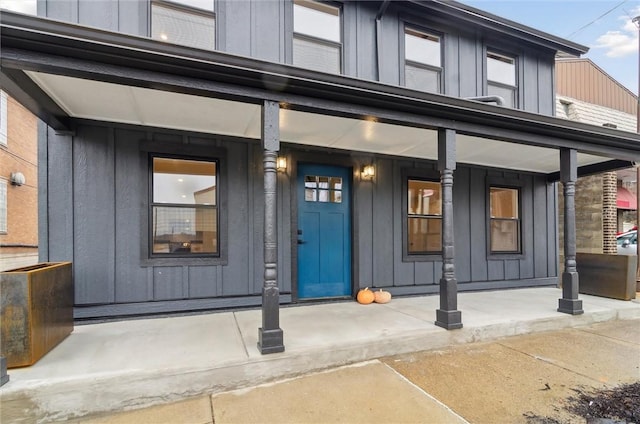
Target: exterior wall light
x=281, y=164
x=368, y=172
x=17, y=179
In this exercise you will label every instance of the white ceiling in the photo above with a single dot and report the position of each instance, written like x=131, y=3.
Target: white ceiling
x=103, y=101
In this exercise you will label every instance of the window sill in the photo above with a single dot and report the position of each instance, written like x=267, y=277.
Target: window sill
x=182, y=261
x=504, y=256
x=431, y=257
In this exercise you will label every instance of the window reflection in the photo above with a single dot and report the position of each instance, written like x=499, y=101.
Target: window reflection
x=322, y=189
x=501, y=77
x=30, y=7
x=423, y=57
x=424, y=220
x=184, y=181
x=317, y=36
x=504, y=220
x=501, y=69
x=186, y=22
x=184, y=207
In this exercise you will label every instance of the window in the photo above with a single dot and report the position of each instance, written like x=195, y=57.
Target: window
x=184, y=207
x=317, y=36
x=186, y=22
x=29, y=7
x=423, y=61
x=424, y=217
x=322, y=189
x=501, y=78
x=3, y=206
x=505, y=219
x=3, y=118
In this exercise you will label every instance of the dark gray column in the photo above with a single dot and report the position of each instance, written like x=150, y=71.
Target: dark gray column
x=4, y=377
x=447, y=316
x=569, y=303
x=270, y=335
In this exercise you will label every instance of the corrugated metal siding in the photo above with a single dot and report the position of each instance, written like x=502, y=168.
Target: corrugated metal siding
x=581, y=79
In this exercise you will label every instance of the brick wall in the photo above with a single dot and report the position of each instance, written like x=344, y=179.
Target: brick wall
x=609, y=212
x=589, y=214
x=20, y=155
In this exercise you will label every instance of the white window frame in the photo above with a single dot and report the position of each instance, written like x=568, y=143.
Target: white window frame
x=186, y=7
x=499, y=84
x=29, y=7
x=3, y=206
x=438, y=69
x=3, y=118
x=318, y=39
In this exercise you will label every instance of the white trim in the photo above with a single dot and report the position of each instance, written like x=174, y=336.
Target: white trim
x=3, y=118
x=3, y=206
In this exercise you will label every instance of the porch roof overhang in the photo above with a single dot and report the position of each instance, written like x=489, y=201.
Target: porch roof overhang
x=62, y=71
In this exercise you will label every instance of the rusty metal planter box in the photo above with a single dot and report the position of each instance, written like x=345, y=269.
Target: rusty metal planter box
x=611, y=276
x=36, y=310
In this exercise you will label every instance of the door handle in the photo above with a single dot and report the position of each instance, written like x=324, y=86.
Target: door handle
x=301, y=241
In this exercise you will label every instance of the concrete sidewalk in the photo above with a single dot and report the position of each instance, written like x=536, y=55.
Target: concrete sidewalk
x=525, y=379
x=135, y=364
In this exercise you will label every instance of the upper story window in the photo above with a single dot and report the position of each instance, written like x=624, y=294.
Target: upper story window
x=501, y=78
x=505, y=219
x=317, y=36
x=422, y=61
x=186, y=22
x=3, y=118
x=29, y=7
x=424, y=217
x=184, y=207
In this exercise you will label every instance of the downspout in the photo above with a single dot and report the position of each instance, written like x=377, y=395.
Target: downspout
x=488, y=99
x=383, y=8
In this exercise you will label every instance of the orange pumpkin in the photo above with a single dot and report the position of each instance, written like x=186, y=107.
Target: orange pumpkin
x=365, y=296
x=382, y=296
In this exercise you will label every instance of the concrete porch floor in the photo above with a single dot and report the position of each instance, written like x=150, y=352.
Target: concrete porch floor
x=132, y=364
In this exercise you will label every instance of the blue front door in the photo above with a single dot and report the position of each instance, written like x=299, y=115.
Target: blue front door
x=324, y=231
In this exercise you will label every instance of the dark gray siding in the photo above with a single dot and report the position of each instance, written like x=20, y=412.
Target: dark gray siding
x=126, y=16
x=97, y=181
x=96, y=203
x=380, y=238
x=94, y=214
x=262, y=29
x=131, y=284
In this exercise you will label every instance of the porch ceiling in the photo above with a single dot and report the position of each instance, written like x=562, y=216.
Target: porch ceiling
x=89, y=99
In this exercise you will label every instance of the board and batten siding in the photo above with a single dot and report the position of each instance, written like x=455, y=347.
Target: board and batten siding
x=380, y=235
x=262, y=29
x=95, y=208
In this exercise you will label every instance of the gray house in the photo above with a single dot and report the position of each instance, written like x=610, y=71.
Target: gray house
x=204, y=154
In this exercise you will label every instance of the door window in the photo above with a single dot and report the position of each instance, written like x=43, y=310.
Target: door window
x=322, y=189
